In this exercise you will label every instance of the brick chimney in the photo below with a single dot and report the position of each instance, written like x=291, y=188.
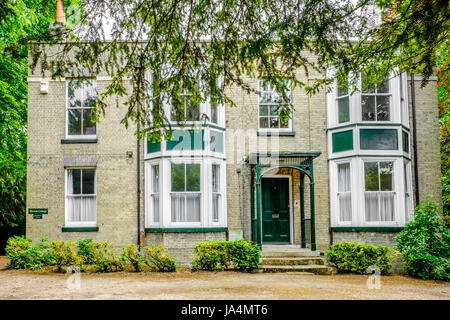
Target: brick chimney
x=60, y=15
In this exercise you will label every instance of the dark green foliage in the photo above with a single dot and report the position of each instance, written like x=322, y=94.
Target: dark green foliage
x=105, y=260
x=85, y=251
x=220, y=255
x=132, y=255
x=425, y=244
x=352, y=257
x=158, y=260
x=24, y=255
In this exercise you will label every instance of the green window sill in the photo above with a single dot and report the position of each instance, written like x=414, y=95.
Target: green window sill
x=376, y=229
x=65, y=141
x=186, y=229
x=79, y=229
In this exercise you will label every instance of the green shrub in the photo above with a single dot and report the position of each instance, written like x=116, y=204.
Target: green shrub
x=220, y=255
x=158, y=260
x=85, y=251
x=132, y=255
x=357, y=258
x=65, y=254
x=24, y=255
x=105, y=260
x=211, y=256
x=425, y=244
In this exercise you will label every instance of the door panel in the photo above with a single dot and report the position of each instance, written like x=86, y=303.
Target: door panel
x=275, y=210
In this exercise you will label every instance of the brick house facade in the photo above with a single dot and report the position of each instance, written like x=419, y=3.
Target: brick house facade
x=340, y=170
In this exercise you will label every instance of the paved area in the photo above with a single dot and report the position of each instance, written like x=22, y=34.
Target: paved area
x=184, y=284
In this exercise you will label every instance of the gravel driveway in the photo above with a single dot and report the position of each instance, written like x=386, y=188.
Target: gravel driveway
x=184, y=284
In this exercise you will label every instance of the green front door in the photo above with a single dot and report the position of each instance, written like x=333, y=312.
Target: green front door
x=275, y=210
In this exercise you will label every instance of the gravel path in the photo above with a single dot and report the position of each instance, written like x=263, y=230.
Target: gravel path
x=183, y=284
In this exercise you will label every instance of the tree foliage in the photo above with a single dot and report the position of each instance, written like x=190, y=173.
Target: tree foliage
x=19, y=21
x=200, y=46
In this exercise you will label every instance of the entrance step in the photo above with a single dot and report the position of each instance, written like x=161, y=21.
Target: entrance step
x=315, y=269
x=293, y=258
x=293, y=261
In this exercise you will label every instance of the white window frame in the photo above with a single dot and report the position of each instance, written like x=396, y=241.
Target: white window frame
x=68, y=223
x=376, y=95
x=289, y=128
x=78, y=136
x=357, y=177
x=336, y=102
x=166, y=190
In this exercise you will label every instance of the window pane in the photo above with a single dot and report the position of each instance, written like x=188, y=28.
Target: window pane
x=371, y=176
x=192, y=207
x=193, y=112
x=383, y=87
x=264, y=122
x=193, y=177
x=274, y=122
x=343, y=110
x=74, y=205
x=263, y=110
x=155, y=198
x=215, y=177
x=74, y=122
x=75, y=94
x=383, y=108
x=155, y=179
x=74, y=181
x=88, y=181
x=284, y=124
x=386, y=169
x=405, y=141
x=214, y=114
x=264, y=97
x=371, y=206
x=345, y=206
x=177, y=177
x=274, y=110
x=88, y=125
x=368, y=108
x=216, y=206
x=344, y=177
x=178, y=207
x=386, y=206
x=378, y=139
x=341, y=91
x=89, y=208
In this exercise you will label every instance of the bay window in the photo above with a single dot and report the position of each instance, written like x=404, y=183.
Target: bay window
x=185, y=192
x=81, y=197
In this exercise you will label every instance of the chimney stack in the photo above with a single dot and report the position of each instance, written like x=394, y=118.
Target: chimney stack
x=60, y=16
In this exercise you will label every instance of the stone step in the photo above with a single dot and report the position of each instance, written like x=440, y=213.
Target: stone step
x=289, y=254
x=292, y=261
x=316, y=269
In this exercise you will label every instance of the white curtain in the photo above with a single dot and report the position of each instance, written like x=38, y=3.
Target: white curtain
x=379, y=206
x=80, y=208
x=216, y=205
x=185, y=207
x=344, y=192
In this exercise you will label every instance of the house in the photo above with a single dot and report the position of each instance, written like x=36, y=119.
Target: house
x=341, y=169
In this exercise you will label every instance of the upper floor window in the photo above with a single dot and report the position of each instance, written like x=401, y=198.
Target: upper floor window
x=344, y=192
x=81, y=197
x=271, y=102
x=185, y=109
x=343, y=103
x=375, y=102
x=81, y=97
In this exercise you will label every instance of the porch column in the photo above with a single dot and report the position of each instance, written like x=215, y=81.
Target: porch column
x=258, y=204
x=313, y=218
x=302, y=209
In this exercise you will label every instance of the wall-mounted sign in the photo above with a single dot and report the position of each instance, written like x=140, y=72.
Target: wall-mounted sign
x=37, y=212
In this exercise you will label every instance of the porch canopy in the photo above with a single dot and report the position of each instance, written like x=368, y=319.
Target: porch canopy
x=262, y=163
